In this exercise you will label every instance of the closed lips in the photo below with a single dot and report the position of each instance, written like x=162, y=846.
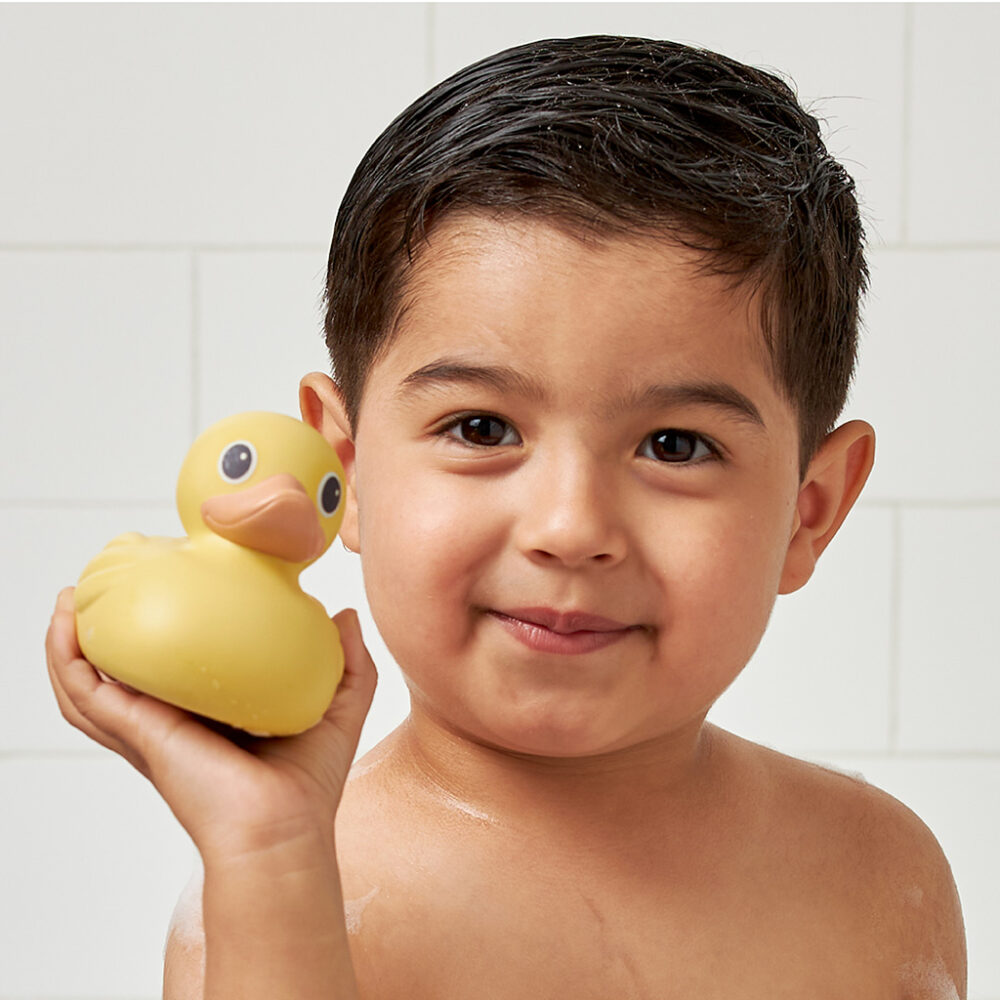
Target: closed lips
x=542, y=630
x=564, y=622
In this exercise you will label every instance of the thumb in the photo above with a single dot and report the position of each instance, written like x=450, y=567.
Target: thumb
x=353, y=698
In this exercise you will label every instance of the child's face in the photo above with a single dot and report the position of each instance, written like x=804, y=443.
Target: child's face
x=570, y=429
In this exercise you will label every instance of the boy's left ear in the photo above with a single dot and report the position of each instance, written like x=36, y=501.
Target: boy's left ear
x=322, y=407
x=832, y=483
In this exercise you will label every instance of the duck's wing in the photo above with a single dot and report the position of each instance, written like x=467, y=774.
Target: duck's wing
x=111, y=566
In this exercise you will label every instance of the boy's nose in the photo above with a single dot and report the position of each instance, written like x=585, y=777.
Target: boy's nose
x=571, y=516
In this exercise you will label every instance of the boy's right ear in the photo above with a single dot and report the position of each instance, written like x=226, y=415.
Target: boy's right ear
x=322, y=407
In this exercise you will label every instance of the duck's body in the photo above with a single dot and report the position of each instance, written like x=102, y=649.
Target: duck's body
x=212, y=625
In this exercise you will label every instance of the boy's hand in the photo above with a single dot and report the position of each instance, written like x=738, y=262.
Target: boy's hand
x=233, y=793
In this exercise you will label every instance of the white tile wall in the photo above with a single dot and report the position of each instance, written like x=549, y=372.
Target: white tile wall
x=927, y=380
x=96, y=373
x=168, y=183
x=955, y=148
x=950, y=632
x=91, y=866
x=259, y=330
x=211, y=123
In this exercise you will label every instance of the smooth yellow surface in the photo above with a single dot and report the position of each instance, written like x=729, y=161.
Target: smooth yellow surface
x=211, y=626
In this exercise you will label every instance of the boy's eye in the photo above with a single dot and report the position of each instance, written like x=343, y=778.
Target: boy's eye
x=483, y=430
x=675, y=446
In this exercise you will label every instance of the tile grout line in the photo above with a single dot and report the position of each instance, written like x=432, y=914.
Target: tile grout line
x=904, y=171
x=84, y=503
x=899, y=757
x=895, y=626
x=42, y=754
x=142, y=246
x=194, y=344
x=429, y=54
x=890, y=503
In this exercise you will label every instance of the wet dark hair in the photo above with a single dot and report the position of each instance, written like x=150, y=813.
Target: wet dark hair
x=608, y=136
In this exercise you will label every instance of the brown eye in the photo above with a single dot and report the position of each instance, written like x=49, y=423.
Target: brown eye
x=484, y=431
x=675, y=446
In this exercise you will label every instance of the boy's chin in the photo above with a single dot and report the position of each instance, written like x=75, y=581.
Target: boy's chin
x=556, y=724
x=554, y=736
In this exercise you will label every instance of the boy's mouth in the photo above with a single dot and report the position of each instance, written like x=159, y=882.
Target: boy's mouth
x=551, y=631
x=564, y=622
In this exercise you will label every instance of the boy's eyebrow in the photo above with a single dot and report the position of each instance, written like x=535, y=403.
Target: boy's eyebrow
x=720, y=395
x=449, y=371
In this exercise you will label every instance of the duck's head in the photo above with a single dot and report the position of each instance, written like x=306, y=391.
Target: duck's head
x=264, y=481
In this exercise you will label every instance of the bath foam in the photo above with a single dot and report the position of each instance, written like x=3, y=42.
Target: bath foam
x=355, y=908
x=186, y=924
x=853, y=775
x=928, y=977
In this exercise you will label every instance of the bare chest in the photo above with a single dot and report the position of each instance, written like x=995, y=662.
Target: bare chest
x=507, y=938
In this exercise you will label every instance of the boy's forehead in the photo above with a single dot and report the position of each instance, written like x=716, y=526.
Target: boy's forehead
x=478, y=274
x=465, y=238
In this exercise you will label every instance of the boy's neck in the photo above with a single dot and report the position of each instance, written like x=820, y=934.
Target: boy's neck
x=660, y=782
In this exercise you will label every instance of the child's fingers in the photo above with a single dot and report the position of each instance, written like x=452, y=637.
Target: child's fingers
x=64, y=660
x=131, y=724
x=74, y=681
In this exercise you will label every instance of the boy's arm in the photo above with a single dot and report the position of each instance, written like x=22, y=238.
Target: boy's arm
x=913, y=897
x=274, y=924
x=275, y=927
x=261, y=815
x=937, y=965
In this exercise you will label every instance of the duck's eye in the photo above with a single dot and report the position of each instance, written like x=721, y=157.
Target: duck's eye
x=328, y=494
x=237, y=461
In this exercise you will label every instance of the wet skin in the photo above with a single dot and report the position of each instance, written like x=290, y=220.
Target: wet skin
x=576, y=495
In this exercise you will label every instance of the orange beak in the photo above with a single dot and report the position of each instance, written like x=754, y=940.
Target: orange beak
x=276, y=517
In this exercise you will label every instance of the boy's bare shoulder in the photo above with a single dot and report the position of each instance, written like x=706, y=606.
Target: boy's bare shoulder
x=798, y=867
x=884, y=854
x=891, y=846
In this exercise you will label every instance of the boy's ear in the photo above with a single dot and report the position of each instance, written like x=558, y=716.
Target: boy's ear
x=322, y=407
x=832, y=483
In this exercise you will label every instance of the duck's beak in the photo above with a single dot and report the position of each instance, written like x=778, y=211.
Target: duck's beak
x=276, y=517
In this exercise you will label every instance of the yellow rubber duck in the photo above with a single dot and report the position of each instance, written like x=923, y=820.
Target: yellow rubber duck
x=216, y=622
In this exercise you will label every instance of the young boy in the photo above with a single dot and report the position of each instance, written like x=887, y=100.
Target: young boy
x=592, y=310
